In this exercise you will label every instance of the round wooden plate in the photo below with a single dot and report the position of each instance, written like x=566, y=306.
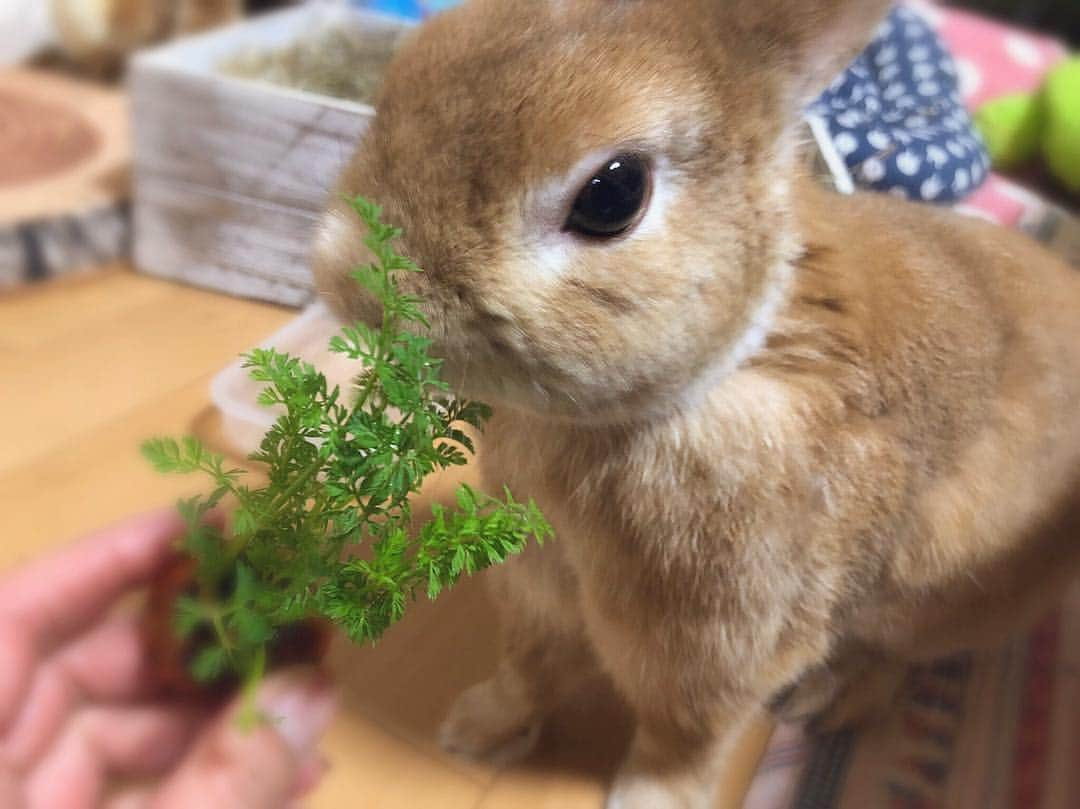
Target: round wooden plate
x=64, y=159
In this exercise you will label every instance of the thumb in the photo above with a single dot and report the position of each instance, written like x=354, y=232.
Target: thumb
x=254, y=767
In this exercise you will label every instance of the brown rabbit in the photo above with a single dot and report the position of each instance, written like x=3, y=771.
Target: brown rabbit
x=790, y=441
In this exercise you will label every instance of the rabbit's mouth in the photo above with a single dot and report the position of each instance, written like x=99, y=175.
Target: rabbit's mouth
x=509, y=371
x=495, y=365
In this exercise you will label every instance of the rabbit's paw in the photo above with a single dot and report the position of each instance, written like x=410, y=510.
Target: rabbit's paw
x=864, y=701
x=484, y=724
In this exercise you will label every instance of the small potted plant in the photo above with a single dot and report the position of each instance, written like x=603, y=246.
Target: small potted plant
x=329, y=538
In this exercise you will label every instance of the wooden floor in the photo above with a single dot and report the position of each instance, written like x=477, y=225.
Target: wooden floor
x=89, y=368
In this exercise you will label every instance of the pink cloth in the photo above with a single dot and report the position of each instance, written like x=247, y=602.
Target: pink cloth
x=993, y=60
x=1002, y=202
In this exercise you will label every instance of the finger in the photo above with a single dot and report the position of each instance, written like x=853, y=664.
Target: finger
x=143, y=798
x=42, y=715
x=105, y=665
x=130, y=798
x=108, y=664
x=57, y=595
x=68, y=776
x=310, y=775
x=16, y=670
x=256, y=768
x=100, y=742
x=139, y=741
x=11, y=794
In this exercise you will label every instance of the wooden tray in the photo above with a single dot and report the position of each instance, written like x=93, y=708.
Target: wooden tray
x=232, y=174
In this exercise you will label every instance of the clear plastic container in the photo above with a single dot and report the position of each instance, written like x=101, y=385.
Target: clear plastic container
x=234, y=392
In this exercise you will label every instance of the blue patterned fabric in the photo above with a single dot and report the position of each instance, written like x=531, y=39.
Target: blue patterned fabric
x=897, y=118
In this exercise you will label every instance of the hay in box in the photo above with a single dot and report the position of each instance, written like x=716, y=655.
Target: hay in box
x=271, y=114
x=338, y=62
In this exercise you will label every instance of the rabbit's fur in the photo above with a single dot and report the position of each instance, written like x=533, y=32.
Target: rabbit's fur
x=789, y=441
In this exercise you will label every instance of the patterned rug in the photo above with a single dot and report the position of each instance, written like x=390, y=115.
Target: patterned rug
x=989, y=731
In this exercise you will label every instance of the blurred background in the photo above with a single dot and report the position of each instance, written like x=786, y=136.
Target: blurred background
x=1060, y=17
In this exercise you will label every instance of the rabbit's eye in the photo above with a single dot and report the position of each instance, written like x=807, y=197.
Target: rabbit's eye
x=613, y=200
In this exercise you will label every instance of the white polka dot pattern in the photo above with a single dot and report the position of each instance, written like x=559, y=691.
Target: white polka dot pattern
x=897, y=117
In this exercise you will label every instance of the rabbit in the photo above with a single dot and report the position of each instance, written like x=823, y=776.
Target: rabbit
x=790, y=442
x=100, y=34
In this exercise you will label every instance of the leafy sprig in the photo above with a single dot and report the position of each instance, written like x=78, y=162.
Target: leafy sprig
x=331, y=533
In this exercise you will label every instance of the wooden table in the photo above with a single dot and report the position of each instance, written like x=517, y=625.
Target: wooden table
x=89, y=367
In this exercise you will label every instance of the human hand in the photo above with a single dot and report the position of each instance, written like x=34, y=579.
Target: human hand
x=75, y=715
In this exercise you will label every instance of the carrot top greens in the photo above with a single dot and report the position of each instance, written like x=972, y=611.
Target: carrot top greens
x=331, y=533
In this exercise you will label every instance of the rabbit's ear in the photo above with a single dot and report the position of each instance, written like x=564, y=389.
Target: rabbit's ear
x=811, y=41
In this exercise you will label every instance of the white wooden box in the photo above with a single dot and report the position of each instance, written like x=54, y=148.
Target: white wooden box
x=230, y=174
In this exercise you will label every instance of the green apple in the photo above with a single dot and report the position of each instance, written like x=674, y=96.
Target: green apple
x=1012, y=127
x=1061, y=134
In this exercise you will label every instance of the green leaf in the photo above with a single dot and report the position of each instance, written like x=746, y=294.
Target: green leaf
x=245, y=585
x=252, y=629
x=466, y=498
x=209, y=664
x=187, y=617
x=244, y=522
